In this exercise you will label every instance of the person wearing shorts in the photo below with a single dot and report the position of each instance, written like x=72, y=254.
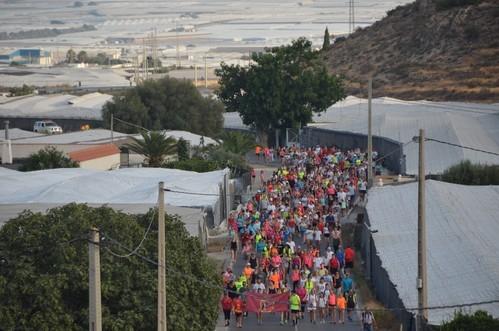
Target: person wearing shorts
x=294, y=305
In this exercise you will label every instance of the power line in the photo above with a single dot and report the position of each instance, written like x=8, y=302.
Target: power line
x=461, y=146
x=394, y=151
x=220, y=287
x=131, y=124
x=140, y=243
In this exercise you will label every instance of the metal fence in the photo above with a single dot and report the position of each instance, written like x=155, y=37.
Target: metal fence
x=384, y=290
x=393, y=150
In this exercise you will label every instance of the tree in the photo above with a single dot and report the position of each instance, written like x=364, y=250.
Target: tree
x=166, y=104
x=479, y=321
x=71, y=56
x=155, y=146
x=23, y=90
x=182, y=149
x=82, y=57
x=44, y=272
x=237, y=142
x=282, y=89
x=327, y=43
x=48, y=158
x=467, y=173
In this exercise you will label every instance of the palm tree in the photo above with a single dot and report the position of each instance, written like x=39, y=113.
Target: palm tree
x=155, y=146
x=237, y=142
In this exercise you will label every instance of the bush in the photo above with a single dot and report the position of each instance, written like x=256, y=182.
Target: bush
x=467, y=173
x=195, y=164
x=479, y=321
x=48, y=158
x=24, y=90
x=447, y=4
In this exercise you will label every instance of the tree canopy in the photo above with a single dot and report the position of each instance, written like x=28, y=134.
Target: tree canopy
x=48, y=158
x=155, y=146
x=164, y=104
x=282, y=88
x=327, y=42
x=44, y=273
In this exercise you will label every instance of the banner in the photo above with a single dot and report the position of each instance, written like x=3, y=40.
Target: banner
x=267, y=303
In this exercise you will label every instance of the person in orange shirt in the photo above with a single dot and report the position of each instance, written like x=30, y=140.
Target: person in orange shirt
x=248, y=272
x=275, y=278
x=341, y=303
x=258, y=151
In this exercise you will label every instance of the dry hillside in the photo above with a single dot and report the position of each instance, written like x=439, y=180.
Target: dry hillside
x=420, y=51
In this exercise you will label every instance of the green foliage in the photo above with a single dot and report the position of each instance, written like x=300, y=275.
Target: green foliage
x=82, y=57
x=48, y=158
x=182, y=149
x=44, y=273
x=71, y=56
x=479, y=321
x=167, y=103
x=24, y=90
x=194, y=164
x=447, y=4
x=155, y=146
x=468, y=173
x=237, y=142
x=327, y=42
x=281, y=89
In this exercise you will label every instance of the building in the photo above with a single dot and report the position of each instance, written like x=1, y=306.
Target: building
x=462, y=248
x=100, y=157
x=28, y=56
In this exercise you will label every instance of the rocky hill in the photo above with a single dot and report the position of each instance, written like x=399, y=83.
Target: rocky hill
x=429, y=49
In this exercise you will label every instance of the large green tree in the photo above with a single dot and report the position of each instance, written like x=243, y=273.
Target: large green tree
x=327, y=42
x=71, y=56
x=48, y=158
x=167, y=103
x=155, y=146
x=44, y=273
x=282, y=88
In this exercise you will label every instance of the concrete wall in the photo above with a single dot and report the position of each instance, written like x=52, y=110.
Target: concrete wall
x=312, y=136
x=102, y=163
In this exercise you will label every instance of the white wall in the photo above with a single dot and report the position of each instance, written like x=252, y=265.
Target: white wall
x=102, y=163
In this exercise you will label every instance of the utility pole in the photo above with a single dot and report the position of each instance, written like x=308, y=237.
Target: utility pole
x=178, y=46
x=422, y=282
x=205, y=72
x=112, y=127
x=370, y=179
x=95, y=312
x=195, y=74
x=161, y=259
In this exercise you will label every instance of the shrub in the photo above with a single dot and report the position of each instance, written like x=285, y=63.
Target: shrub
x=48, y=158
x=447, y=4
x=467, y=173
x=195, y=164
x=479, y=321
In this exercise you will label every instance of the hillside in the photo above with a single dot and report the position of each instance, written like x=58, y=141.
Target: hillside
x=423, y=51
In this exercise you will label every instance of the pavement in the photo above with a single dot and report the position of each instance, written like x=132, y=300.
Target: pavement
x=271, y=322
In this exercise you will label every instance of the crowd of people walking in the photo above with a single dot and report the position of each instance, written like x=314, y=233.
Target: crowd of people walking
x=290, y=237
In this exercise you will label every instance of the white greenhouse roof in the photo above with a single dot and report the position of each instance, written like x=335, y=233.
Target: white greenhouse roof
x=191, y=217
x=16, y=133
x=122, y=186
x=466, y=124
x=77, y=137
x=463, y=250
x=55, y=106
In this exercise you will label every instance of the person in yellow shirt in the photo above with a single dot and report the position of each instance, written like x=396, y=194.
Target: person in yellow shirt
x=341, y=303
x=294, y=305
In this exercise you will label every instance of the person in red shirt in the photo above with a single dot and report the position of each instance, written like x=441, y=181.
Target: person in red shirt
x=349, y=257
x=226, y=303
x=238, y=307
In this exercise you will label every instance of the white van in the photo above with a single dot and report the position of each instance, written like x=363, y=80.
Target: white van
x=48, y=127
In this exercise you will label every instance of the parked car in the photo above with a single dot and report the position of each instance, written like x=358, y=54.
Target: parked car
x=48, y=127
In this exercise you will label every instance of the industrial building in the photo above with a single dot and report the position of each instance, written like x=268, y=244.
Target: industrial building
x=27, y=56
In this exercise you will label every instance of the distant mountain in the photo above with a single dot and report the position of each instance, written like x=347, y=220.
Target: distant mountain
x=429, y=49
